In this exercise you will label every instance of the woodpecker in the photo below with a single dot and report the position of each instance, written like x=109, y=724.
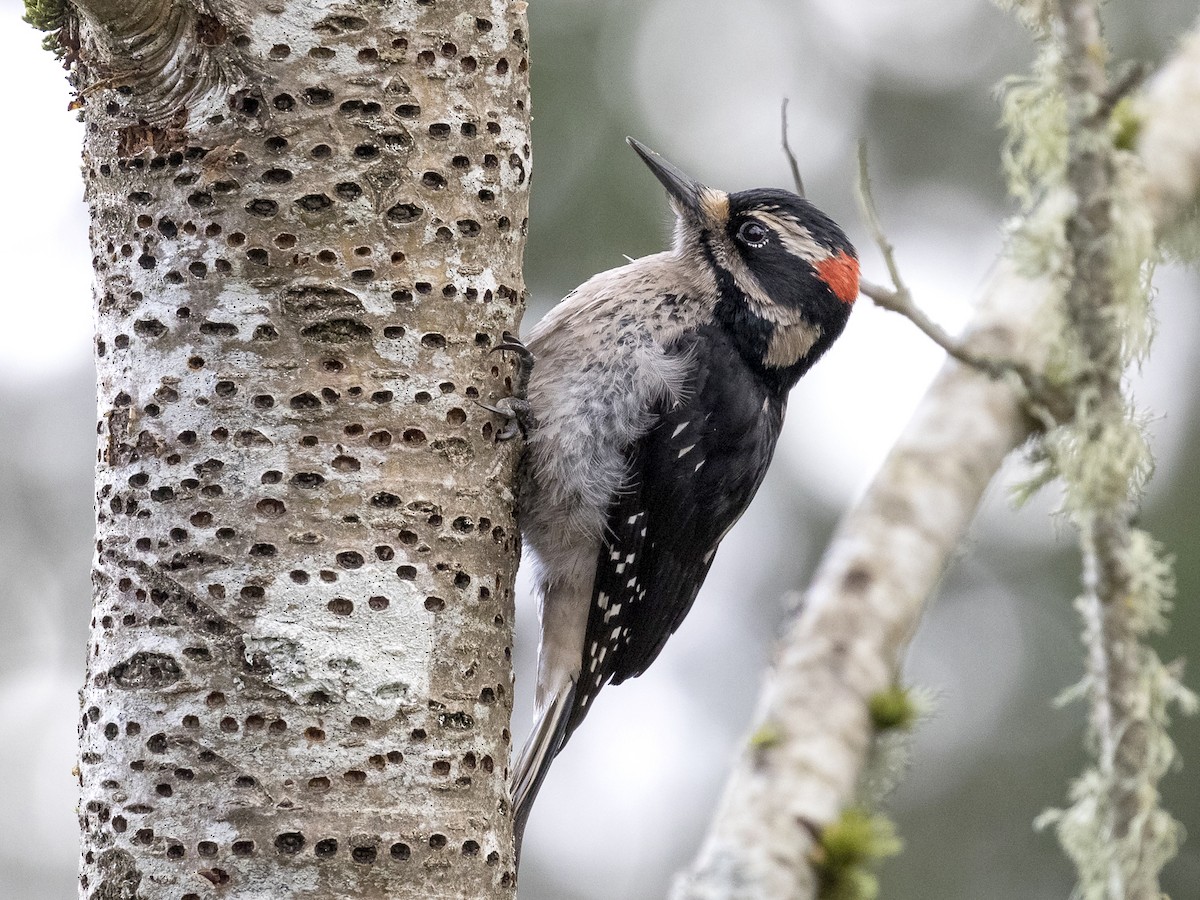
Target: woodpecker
x=651, y=415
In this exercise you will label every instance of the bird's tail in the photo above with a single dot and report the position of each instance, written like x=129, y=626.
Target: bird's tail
x=548, y=737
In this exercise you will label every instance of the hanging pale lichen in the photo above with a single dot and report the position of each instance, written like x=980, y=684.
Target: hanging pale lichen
x=1114, y=831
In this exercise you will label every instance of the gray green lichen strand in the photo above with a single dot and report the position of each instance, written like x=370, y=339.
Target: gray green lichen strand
x=299, y=666
x=45, y=15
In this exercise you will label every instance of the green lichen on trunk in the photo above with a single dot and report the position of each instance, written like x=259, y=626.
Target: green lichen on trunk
x=47, y=15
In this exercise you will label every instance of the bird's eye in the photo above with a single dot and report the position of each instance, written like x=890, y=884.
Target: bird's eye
x=753, y=233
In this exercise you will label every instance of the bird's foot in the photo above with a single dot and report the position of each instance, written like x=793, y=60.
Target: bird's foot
x=510, y=342
x=515, y=409
x=516, y=412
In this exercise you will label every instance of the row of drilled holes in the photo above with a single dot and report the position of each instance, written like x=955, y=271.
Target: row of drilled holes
x=404, y=295
x=286, y=241
x=290, y=843
x=261, y=256
x=255, y=722
x=307, y=400
x=348, y=191
x=438, y=131
x=271, y=507
x=157, y=743
x=225, y=533
x=379, y=439
x=339, y=606
x=423, y=288
x=287, y=842
x=319, y=784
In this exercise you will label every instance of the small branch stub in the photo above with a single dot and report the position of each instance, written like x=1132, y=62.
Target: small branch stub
x=797, y=180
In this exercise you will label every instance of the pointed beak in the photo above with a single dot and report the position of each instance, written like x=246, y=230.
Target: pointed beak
x=686, y=192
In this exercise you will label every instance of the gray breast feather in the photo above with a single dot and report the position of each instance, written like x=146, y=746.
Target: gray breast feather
x=604, y=360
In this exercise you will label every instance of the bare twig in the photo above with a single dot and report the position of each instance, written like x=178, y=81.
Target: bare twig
x=866, y=203
x=1049, y=403
x=899, y=298
x=787, y=149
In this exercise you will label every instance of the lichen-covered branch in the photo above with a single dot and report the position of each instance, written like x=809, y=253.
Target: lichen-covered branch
x=1115, y=832
x=1104, y=519
x=889, y=552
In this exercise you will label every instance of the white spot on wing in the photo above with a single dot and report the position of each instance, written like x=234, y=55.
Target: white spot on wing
x=679, y=428
x=686, y=450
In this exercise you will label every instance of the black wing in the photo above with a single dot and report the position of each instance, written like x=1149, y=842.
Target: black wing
x=690, y=478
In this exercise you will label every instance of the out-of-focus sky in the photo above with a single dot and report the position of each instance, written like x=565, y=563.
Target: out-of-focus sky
x=701, y=81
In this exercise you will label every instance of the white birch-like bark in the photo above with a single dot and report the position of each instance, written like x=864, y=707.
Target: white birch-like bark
x=299, y=678
x=888, y=554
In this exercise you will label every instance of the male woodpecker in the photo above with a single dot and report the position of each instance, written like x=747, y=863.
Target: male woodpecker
x=653, y=409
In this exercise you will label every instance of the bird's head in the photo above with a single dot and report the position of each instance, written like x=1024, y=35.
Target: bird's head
x=786, y=274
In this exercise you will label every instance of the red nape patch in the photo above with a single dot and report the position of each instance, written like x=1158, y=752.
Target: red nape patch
x=840, y=272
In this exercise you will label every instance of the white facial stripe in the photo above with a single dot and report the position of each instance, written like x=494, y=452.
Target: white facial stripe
x=797, y=239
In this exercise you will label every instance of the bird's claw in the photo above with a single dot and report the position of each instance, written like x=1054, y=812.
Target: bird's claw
x=517, y=414
x=509, y=341
x=515, y=409
x=525, y=359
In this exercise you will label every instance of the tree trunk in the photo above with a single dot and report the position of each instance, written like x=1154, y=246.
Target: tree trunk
x=307, y=228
